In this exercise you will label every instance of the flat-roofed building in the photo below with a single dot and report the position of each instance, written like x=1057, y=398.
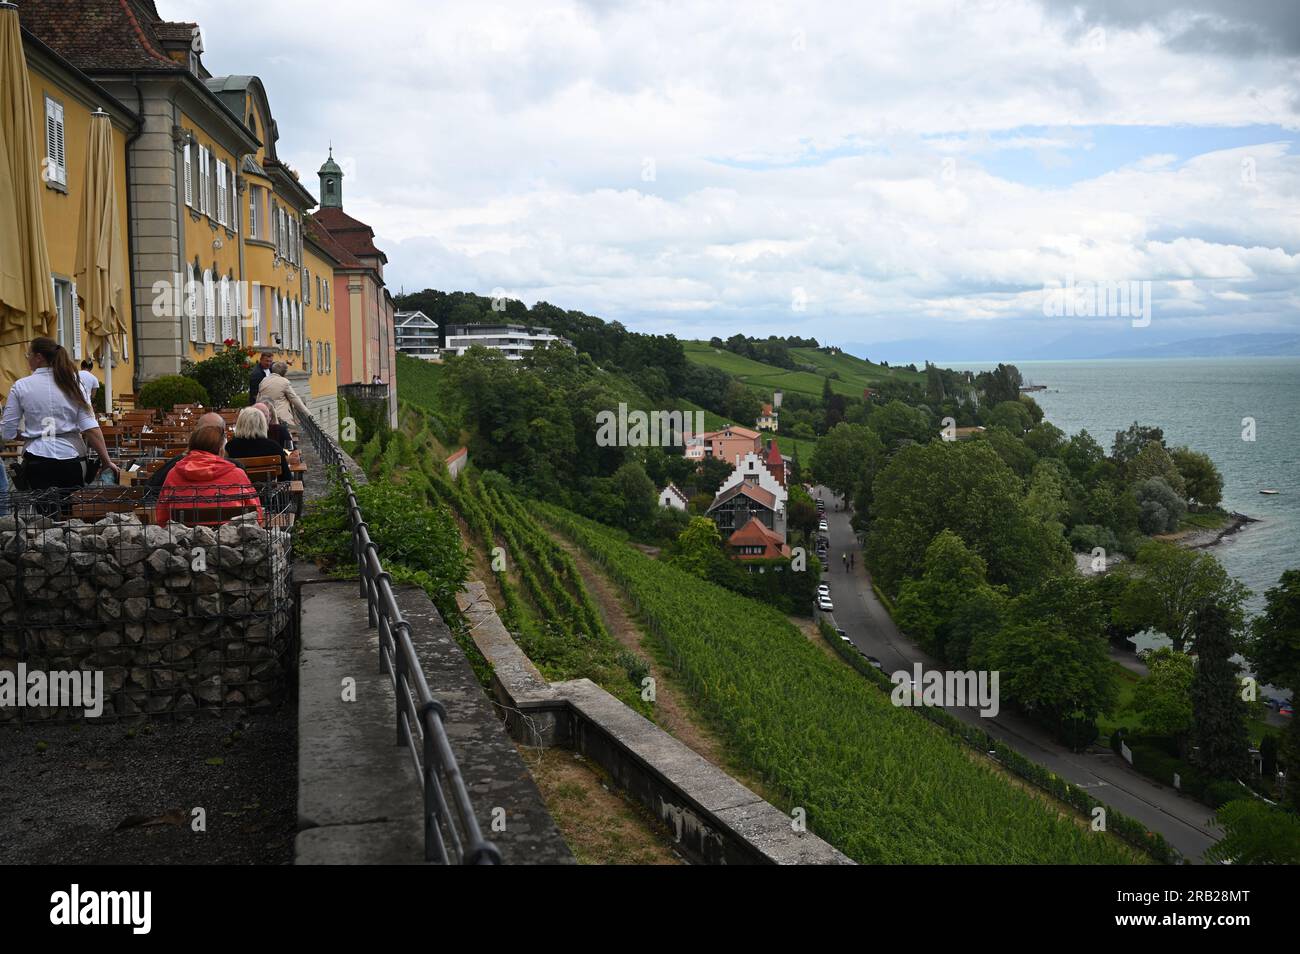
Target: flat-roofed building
x=513, y=340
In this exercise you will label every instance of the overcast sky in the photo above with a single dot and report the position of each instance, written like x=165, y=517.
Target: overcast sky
x=862, y=172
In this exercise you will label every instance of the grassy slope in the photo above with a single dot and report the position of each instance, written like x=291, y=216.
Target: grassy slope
x=877, y=781
x=854, y=373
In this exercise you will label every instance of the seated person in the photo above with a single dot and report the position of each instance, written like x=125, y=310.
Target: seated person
x=274, y=429
x=203, y=478
x=250, y=440
x=211, y=419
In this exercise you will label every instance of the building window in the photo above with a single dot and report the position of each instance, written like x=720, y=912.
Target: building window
x=306, y=357
x=253, y=197
x=68, y=315
x=192, y=303
x=56, y=159
x=189, y=174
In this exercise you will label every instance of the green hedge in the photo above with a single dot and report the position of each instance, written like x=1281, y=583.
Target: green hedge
x=1151, y=757
x=172, y=389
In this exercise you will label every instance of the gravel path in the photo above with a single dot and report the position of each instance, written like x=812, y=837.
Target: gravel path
x=100, y=794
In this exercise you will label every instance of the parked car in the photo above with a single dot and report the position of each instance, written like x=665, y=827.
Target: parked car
x=823, y=589
x=825, y=605
x=823, y=527
x=875, y=662
x=844, y=636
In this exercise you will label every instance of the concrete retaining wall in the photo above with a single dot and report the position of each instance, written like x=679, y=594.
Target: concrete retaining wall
x=714, y=818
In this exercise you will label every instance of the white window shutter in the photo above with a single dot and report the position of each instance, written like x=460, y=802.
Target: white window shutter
x=226, y=331
x=189, y=176
x=58, y=160
x=256, y=304
x=209, y=308
x=275, y=312
x=76, y=324
x=221, y=192
x=192, y=309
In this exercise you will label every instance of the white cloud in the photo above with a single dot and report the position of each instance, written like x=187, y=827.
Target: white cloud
x=505, y=145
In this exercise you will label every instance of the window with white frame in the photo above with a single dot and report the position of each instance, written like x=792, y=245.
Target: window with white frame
x=56, y=159
x=306, y=357
x=254, y=199
x=193, y=302
x=329, y=357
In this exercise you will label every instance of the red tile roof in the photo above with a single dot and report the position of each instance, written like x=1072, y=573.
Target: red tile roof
x=354, y=235
x=317, y=233
x=97, y=35
x=754, y=534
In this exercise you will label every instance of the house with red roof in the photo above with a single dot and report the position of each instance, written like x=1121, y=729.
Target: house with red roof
x=754, y=541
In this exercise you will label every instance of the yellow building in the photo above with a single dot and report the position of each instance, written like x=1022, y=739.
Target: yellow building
x=216, y=217
x=318, y=354
x=63, y=99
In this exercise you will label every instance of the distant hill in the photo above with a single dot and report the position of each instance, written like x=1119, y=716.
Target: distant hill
x=1222, y=346
x=850, y=374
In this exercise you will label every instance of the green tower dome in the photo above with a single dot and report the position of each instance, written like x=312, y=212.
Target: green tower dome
x=331, y=183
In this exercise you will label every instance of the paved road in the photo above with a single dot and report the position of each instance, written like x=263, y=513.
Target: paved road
x=1184, y=823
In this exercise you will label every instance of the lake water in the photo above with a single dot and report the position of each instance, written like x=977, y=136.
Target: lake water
x=1201, y=402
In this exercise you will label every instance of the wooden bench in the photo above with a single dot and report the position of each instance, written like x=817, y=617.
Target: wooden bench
x=94, y=503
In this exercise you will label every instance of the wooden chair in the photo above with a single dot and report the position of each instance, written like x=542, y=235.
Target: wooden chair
x=94, y=503
x=262, y=470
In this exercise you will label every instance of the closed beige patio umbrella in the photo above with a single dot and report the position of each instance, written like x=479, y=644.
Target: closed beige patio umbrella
x=101, y=256
x=27, y=307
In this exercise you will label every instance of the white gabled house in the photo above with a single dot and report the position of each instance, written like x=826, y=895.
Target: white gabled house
x=670, y=496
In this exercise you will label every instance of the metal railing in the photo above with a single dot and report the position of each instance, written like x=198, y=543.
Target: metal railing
x=451, y=829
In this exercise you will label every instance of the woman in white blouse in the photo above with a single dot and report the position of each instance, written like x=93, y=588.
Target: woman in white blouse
x=48, y=408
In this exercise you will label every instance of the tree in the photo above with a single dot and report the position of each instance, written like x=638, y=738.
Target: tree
x=711, y=474
x=1274, y=650
x=1001, y=384
x=698, y=548
x=1256, y=834
x=1164, y=697
x=1011, y=449
x=1082, y=454
x=846, y=455
x=1012, y=415
x=1218, y=711
x=1160, y=509
x=741, y=404
x=1168, y=585
x=1050, y=673
x=1047, y=498
x=1154, y=461
x=951, y=606
x=1045, y=439
x=1129, y=443
x=964, y=487
x=896, y=422
x=1204, y=483
x=637, y=495
x=801, y=512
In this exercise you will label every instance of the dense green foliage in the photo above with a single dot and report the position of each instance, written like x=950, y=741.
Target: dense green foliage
x=224, y=375
x=1274, y=648
x=171, y=389
x=1218, y=710
x=408, y=532
x=876, y=781
x=1256, y=834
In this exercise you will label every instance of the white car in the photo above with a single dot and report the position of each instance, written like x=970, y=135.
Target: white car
x=825, y=605
x=823, y=589
x=823, y=527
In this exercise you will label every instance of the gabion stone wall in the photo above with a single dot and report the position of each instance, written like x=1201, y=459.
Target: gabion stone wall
x=178, y=619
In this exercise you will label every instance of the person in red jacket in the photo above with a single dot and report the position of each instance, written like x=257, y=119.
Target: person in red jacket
x=203, y=478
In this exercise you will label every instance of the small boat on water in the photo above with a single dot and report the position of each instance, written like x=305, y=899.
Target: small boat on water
x=1270, y=492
